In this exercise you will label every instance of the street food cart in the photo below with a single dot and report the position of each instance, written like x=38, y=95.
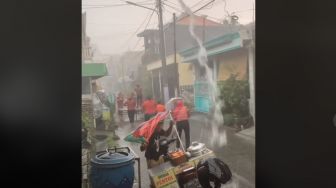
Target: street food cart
x=171, y=175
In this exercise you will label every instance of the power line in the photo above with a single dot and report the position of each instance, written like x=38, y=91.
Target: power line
x=137, y=2
x=110, y=24
x=145, y=1
x=214, y=18
x=108, y=5
x=171, y=10
x=172, y=7
x=241, y=11
x=140, y=38
x=193, y=6
x=204, y=6
x=144, y=29
x=134, y=34
x=165, y=9
x=171, y=3
x=136, y=31
x=94, y=5
x=225, y=10
x=211, y=5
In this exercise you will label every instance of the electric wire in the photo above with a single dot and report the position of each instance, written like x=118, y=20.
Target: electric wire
x=136, y=31
x=144, y=29
x=172, y=7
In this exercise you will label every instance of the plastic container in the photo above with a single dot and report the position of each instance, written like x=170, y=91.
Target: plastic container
x=112, y=169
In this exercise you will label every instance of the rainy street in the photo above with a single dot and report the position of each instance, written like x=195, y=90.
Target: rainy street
x=155, y=66
x=238, y=153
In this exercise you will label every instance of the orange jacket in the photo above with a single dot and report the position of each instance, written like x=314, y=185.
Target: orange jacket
x=149, y=107
x=160, y=108
x=180, y=112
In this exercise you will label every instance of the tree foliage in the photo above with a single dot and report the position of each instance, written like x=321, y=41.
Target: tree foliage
x=235, y=94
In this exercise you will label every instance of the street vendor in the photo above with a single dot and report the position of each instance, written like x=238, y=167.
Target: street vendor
x=181, y=115
x=153, y=153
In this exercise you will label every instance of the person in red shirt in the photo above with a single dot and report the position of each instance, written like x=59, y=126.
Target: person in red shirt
x=181, y=117
x=120, y=105
x=131, y=104
x=160, y=107
x=149, y=108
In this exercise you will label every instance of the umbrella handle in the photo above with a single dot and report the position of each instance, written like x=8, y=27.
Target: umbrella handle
x=178, y=136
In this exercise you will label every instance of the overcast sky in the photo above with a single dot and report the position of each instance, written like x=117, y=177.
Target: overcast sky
x=113, y=29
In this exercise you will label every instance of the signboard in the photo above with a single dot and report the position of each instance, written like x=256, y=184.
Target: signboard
x=202, y=96
x=179, y=169
x=166, y=179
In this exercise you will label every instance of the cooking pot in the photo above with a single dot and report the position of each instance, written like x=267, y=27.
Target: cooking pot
x=177, y=157
x=196, y=149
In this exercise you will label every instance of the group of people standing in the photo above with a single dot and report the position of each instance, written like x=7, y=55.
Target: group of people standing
x=150, y=108
x=180, y=116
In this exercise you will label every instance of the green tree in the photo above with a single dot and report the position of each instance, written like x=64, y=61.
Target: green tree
x=235, y=94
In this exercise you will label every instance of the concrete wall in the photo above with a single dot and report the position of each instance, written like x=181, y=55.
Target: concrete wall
x=233, y=63
x=186, y=74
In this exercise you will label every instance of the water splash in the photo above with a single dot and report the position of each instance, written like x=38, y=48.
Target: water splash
x=219, y=137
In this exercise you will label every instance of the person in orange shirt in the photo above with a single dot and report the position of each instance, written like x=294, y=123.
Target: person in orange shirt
x=160, y=107
x=181, y=117
x=149, y=108
x=131, y=104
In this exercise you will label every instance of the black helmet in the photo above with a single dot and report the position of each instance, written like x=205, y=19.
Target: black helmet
x=213, y=170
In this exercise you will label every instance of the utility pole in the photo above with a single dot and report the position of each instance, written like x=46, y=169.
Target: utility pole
x=162, y=51
x=162, y=45
x=175, y=61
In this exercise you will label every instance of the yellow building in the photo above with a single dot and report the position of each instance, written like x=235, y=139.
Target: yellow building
x=227, y=55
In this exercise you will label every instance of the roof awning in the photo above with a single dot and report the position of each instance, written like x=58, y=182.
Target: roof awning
x=94, y=70
x=222, y=44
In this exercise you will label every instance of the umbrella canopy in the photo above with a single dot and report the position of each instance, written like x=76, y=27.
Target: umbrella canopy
x=170, y=105
x=146, y=129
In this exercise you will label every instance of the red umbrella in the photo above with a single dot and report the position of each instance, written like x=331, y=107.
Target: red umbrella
x=146, y=129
